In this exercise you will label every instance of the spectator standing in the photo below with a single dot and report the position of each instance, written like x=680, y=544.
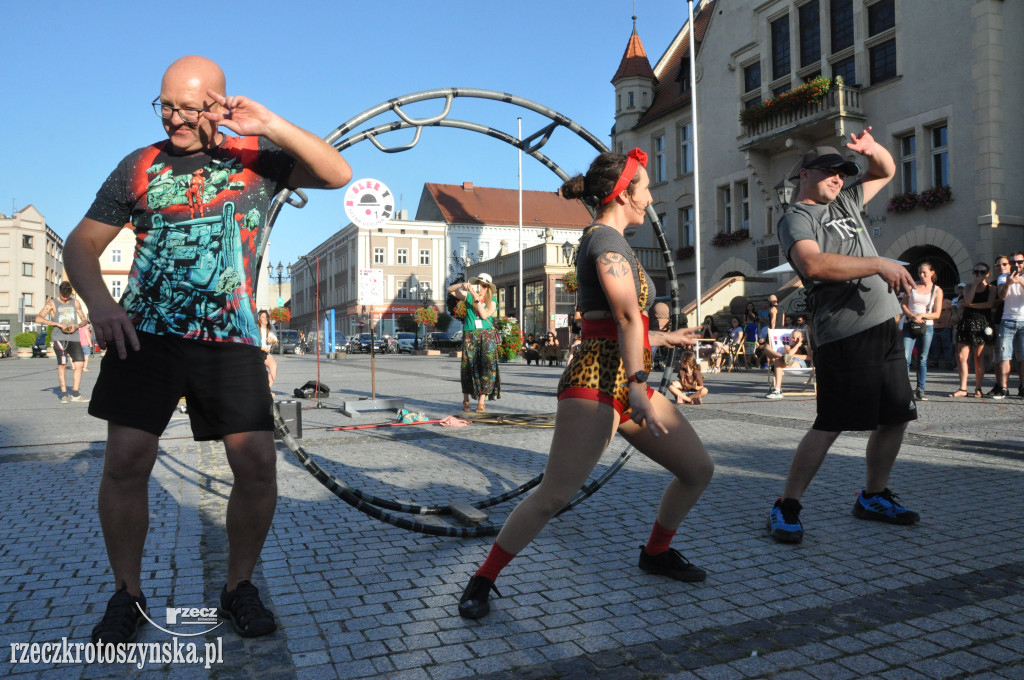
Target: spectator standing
x=1010, y=289
x=85, y=338
x=65, y=314
x=921, y=307
x=850, y=289
x=973, y=331
x=942, y=340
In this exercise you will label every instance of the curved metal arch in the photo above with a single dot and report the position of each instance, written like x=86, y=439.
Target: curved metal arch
x=532, y=145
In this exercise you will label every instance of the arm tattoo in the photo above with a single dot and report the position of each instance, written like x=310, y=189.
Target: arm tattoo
x=614, y=264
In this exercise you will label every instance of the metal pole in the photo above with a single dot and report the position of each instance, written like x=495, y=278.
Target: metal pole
x=696, y=160
x=519, y=293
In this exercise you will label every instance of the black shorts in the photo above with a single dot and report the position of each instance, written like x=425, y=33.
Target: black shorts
x=862, y=381
x=225, y=385
x=67, y=349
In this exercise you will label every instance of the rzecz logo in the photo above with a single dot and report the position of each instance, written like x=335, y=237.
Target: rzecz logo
x=206, y=617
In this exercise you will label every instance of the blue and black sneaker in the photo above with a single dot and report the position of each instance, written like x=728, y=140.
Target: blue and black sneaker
x=883, y=507
x=784, y=521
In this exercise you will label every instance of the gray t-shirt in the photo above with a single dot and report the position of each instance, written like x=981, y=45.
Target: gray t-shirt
x=597, y=241
x=841, y=308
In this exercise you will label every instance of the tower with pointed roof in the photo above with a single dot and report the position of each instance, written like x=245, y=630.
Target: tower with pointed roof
x=634, y=83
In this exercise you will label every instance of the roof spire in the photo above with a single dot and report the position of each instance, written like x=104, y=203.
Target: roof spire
x=634, y=59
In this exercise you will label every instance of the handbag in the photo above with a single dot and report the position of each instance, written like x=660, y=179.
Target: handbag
x=917, y=329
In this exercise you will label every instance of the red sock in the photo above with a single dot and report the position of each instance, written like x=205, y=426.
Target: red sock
x=496, y=560
x=659, y=540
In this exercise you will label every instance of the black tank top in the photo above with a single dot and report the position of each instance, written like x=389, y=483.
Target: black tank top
x=979, y=297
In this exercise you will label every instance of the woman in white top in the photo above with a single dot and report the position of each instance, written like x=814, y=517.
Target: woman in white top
x=921, y=306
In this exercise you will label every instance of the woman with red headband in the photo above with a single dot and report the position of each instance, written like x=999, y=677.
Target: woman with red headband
x=604, y=388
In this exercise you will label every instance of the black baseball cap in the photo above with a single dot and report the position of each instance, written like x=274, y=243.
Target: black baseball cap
x=829, y=157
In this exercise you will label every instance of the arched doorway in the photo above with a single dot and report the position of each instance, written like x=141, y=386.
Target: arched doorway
x=945, y=269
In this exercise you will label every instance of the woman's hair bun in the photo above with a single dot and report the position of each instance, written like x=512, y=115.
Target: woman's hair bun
x=574, y=187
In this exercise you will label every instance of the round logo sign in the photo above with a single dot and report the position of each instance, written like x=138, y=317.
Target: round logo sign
x=369, y=203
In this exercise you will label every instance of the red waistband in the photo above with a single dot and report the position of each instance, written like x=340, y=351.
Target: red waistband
x=607, y=328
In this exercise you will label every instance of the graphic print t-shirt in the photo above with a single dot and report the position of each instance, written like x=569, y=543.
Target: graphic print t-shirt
x=841, y=308
x=198, y=219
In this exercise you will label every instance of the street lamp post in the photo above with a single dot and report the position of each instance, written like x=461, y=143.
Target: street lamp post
x=784, y=193
x=280, y=295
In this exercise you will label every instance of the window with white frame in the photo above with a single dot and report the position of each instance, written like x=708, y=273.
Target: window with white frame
x=685, y=217
x=725, y=208
x=378, y=256
x=26, y=269
x=908, y=163
x=115, y=289
x=940, y=156
x=402, y=256
x=403, y=290
x=26, y=241
x=424, y=257
x=659, y=159
x=744, y=196
x=115, y=256
x=686, y=149
x=27, y=298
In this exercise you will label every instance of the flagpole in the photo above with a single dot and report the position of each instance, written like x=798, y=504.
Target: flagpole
x=519, y=294
x=696, y=160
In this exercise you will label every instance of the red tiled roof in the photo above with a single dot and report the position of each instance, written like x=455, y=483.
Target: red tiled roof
x=634, y=60
x=467, y=204
x=668, y=95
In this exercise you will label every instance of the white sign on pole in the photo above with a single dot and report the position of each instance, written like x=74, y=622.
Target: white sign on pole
x=369, y=203
x=371, y=286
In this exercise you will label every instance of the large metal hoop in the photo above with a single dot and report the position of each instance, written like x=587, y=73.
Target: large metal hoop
x=344, y=137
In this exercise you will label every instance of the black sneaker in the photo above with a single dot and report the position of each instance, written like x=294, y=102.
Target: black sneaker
x=473, y=603
x=1020, y=390
x=247, y=613
x=671, y=563
x=919, y=395
x=998, y=392
x=784, y=521
x=883, y=507
x=122, y=619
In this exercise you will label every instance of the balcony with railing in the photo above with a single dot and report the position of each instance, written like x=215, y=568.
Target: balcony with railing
x=828, y=116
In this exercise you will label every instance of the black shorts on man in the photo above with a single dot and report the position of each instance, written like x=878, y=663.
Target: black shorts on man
x=224, y=384
x=862, y=381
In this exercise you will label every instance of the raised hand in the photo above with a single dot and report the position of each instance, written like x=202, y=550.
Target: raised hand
x=242, y=115
x=863, y=143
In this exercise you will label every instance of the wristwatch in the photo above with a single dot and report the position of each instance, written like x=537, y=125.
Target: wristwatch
x=638, y=377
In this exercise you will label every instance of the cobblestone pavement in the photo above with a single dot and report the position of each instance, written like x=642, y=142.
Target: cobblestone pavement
x=357, y=598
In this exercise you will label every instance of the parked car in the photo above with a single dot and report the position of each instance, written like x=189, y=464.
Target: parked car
x=457, y=339
x=438, y=340
x=379, y=343
x=290, y=341
x=406, y=342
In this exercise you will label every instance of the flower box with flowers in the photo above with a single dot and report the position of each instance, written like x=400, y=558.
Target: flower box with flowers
x=902, y=202
x=722, y=239
x=570, y=283
x=685, y=252
x=811, y=92
x=930, y=198
x=459, y=311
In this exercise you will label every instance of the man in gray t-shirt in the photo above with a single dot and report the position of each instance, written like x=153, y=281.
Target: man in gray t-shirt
x=859, y=362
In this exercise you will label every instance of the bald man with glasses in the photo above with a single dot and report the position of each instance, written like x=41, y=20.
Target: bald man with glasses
x=197, y=202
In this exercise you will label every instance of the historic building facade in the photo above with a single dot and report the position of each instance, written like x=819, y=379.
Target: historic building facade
x=804, y=73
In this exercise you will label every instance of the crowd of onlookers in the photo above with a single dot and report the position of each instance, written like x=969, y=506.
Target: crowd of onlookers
x=976, y=331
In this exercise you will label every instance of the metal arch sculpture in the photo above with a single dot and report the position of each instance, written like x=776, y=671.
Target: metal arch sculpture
x=384, y=509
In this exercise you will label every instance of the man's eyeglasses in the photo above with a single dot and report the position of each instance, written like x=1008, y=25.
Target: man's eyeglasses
x=187, y=115
x=980, y=272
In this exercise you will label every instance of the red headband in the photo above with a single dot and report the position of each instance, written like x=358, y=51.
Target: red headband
x=633, y=158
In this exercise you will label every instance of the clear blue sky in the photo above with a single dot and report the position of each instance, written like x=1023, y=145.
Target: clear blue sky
x=77, y=79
